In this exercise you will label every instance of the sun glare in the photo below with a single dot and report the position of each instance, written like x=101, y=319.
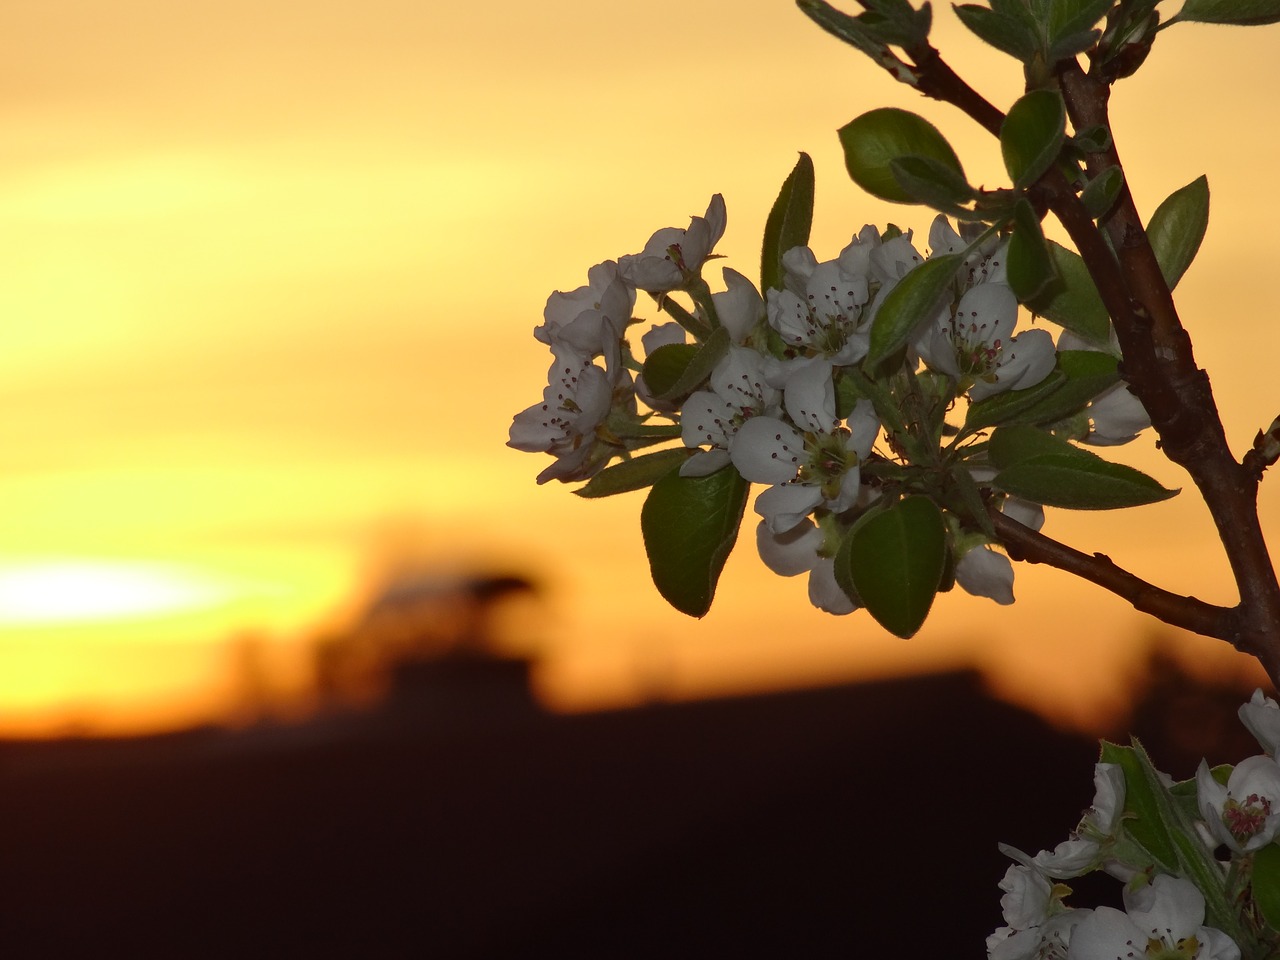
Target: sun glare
x=64, y=591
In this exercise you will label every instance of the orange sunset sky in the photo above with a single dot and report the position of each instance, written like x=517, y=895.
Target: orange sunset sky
x=268, y=274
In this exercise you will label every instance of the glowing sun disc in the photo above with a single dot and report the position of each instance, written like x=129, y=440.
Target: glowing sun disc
x=65, y=591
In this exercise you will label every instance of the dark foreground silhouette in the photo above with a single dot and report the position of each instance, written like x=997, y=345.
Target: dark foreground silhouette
x=851, y=821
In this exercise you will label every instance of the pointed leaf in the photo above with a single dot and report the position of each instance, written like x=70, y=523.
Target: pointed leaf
x=1159, y=823
x=1100, y=193
x=1073, y=301
x=664, y=367
x=689, y=526
x=789, y=222
x=1085, y=374
x=1005, y=33
x=677, y=369
x=1072, y=16
x=1013, y=444
x=852, y=30
x=634, y=474
x=896, y=560
x=1032, y=135
x=1075, y=483
x=1142, y=806
x=874, y=139
x=1029, y=264
x=1177, y=228
x=1240, y=12
x=930, y=182
x=1266, y=883
x=1009, y=406
x=912, y=302
x=1073, y=44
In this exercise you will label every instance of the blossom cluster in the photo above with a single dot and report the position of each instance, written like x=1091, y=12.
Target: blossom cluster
x=779, y=392
x=1225, y=817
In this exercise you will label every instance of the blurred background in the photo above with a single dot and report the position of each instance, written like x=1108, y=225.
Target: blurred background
x=268, y=276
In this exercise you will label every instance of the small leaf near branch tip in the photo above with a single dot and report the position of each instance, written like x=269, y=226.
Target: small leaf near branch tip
x=789, y=222
x=872, y=141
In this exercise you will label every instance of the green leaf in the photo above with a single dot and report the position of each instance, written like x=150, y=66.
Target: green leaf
x=789, y=222
x=1073, y=301
x=852, y=30
x=1038, y=466
x=1014, y=444
x=1244, y=13
x=1100, y=193
x=634, y=474
x=896, y=559
x=1093, y=139
x=879, y=136
x=664, y=367
x=934, y=183
x=1032, y=135
x=912, y=302
x=1007, y=34
x=679, y=368
x=1266, y=883
x=689, y=526
x=1142, y=805
x=1087, y=374
x=1070, y=16
x=1011, y=405
x=1029, y=263
x=1067, y=481
x=1158, y=823
x=1073, y=44
x=1177, y=228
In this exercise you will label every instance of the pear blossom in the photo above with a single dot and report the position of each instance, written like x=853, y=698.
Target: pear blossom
x=1262, y=716
x=793, y=552
x=1085, y=850
x=739, y=306
x=798, y=551
x=975, y=344
x=818, y=467
x=1024, y=511
x=1116, y=415
x=983, y=572
x=591, y=319
x=1245, y=813
x=673, y=258
x=825, y=592
x=739, y=391
x=822, y=308
x=575, y=402
x=984, y=264
x=1163, y=920
x=1037, y=924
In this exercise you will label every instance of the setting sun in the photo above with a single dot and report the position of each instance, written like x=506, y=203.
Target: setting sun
x=61, y=591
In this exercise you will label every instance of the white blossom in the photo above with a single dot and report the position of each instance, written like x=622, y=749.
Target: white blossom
x=739, y=306
x=1262, y=716
x=739, y=391
x=983, y=572
x=575, y=402
x=975, y=344
x=1245, y=813
x=673, y=258
x=591, y=319
x=1037, y=924
x=1163, y=919
x=816, y=465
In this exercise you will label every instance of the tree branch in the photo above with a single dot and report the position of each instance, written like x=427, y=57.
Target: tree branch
x=1023, y=543
x=1160, y=366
